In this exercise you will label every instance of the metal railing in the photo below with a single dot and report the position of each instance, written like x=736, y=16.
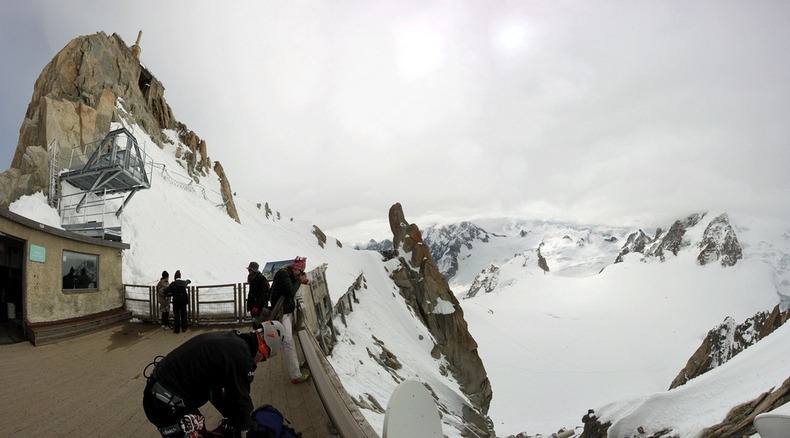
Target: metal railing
x=208, y=304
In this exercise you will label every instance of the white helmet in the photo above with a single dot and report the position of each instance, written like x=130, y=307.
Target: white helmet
x=270, y=338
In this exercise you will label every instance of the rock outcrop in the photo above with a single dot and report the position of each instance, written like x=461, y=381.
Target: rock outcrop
x=740, y=420
x=196, y=157
x=93, y=81
x=486, y=281
x=424, y=288
x=672, y=240
x=636, y=243
x=542, y=262
x=227, y=193
x=719, y=243
x=727, y=340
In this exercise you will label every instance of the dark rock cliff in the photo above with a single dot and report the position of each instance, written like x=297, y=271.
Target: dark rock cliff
x=423, y=287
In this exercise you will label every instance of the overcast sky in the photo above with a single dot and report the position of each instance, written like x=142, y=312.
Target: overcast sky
x=614, y=112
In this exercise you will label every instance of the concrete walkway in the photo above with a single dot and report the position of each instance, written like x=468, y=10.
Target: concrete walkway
x=93, y=385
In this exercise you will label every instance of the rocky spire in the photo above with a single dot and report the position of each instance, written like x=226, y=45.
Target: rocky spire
x=425, y=289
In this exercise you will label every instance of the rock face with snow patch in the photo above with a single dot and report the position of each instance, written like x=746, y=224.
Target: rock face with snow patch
x=636, y=242
x=727, y=340
x=93, y=81
x=672, y=240
x=740, y=420
x=719, y=243
x=425, y=289
x=485, y=281
x=446, y=243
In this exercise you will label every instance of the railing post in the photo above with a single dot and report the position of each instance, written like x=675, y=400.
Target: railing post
x=343, y=312
x=195, y=305
x=243, y=300
x=154, y=299
x=236, y=302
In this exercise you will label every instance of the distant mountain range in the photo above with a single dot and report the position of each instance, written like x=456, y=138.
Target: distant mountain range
x=486, y=258
x=467, y=252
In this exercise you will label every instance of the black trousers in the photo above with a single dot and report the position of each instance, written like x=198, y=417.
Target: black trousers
x=166, y=418
x=179, y=317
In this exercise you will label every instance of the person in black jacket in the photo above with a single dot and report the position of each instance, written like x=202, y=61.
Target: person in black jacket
x=258, y=295
x=178, y=290
x=216, y=367
x=284, y=286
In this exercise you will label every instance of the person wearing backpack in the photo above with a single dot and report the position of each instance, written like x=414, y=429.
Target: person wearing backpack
x=216, y=367
x=258, y=295
x=284, y=286
x=178, y=290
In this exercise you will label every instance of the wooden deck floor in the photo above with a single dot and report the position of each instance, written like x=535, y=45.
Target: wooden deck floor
x=93, y=386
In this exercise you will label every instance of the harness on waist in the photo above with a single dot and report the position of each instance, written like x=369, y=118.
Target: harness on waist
x=166, y=396
x=158, y=390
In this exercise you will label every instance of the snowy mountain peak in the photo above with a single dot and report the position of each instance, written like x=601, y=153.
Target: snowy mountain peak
x=446, y=242
x=637, y=242
x=719, y=242
x=673, y=240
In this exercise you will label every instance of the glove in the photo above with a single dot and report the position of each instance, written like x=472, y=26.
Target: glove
x=255, y=310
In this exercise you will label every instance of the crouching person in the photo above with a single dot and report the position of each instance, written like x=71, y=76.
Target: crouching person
x=216, y=367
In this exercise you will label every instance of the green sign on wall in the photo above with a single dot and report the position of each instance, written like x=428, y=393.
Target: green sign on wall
x=38, y=253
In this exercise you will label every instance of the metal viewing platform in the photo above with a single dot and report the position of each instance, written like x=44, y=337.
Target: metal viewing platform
x=116, y=166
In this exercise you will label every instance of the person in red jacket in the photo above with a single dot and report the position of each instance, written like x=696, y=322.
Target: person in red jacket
x=216, y=367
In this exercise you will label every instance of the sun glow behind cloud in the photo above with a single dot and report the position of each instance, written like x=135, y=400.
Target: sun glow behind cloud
x=512, y=37
x=419, y=47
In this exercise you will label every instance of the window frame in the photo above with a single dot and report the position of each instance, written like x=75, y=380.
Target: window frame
x=80, y=261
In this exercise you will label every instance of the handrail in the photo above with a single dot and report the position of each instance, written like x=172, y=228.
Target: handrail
x=232, y=295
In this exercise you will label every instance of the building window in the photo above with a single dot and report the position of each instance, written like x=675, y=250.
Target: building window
x=80, y=271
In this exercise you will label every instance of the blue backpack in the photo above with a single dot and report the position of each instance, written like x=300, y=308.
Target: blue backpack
x=271, y=424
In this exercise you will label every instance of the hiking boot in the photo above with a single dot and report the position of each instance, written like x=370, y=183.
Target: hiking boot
x=301, y=379
x=223, y=430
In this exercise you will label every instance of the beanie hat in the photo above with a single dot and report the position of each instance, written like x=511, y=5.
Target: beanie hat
x=165, y=274
x=299, y=263
x=178, y=274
